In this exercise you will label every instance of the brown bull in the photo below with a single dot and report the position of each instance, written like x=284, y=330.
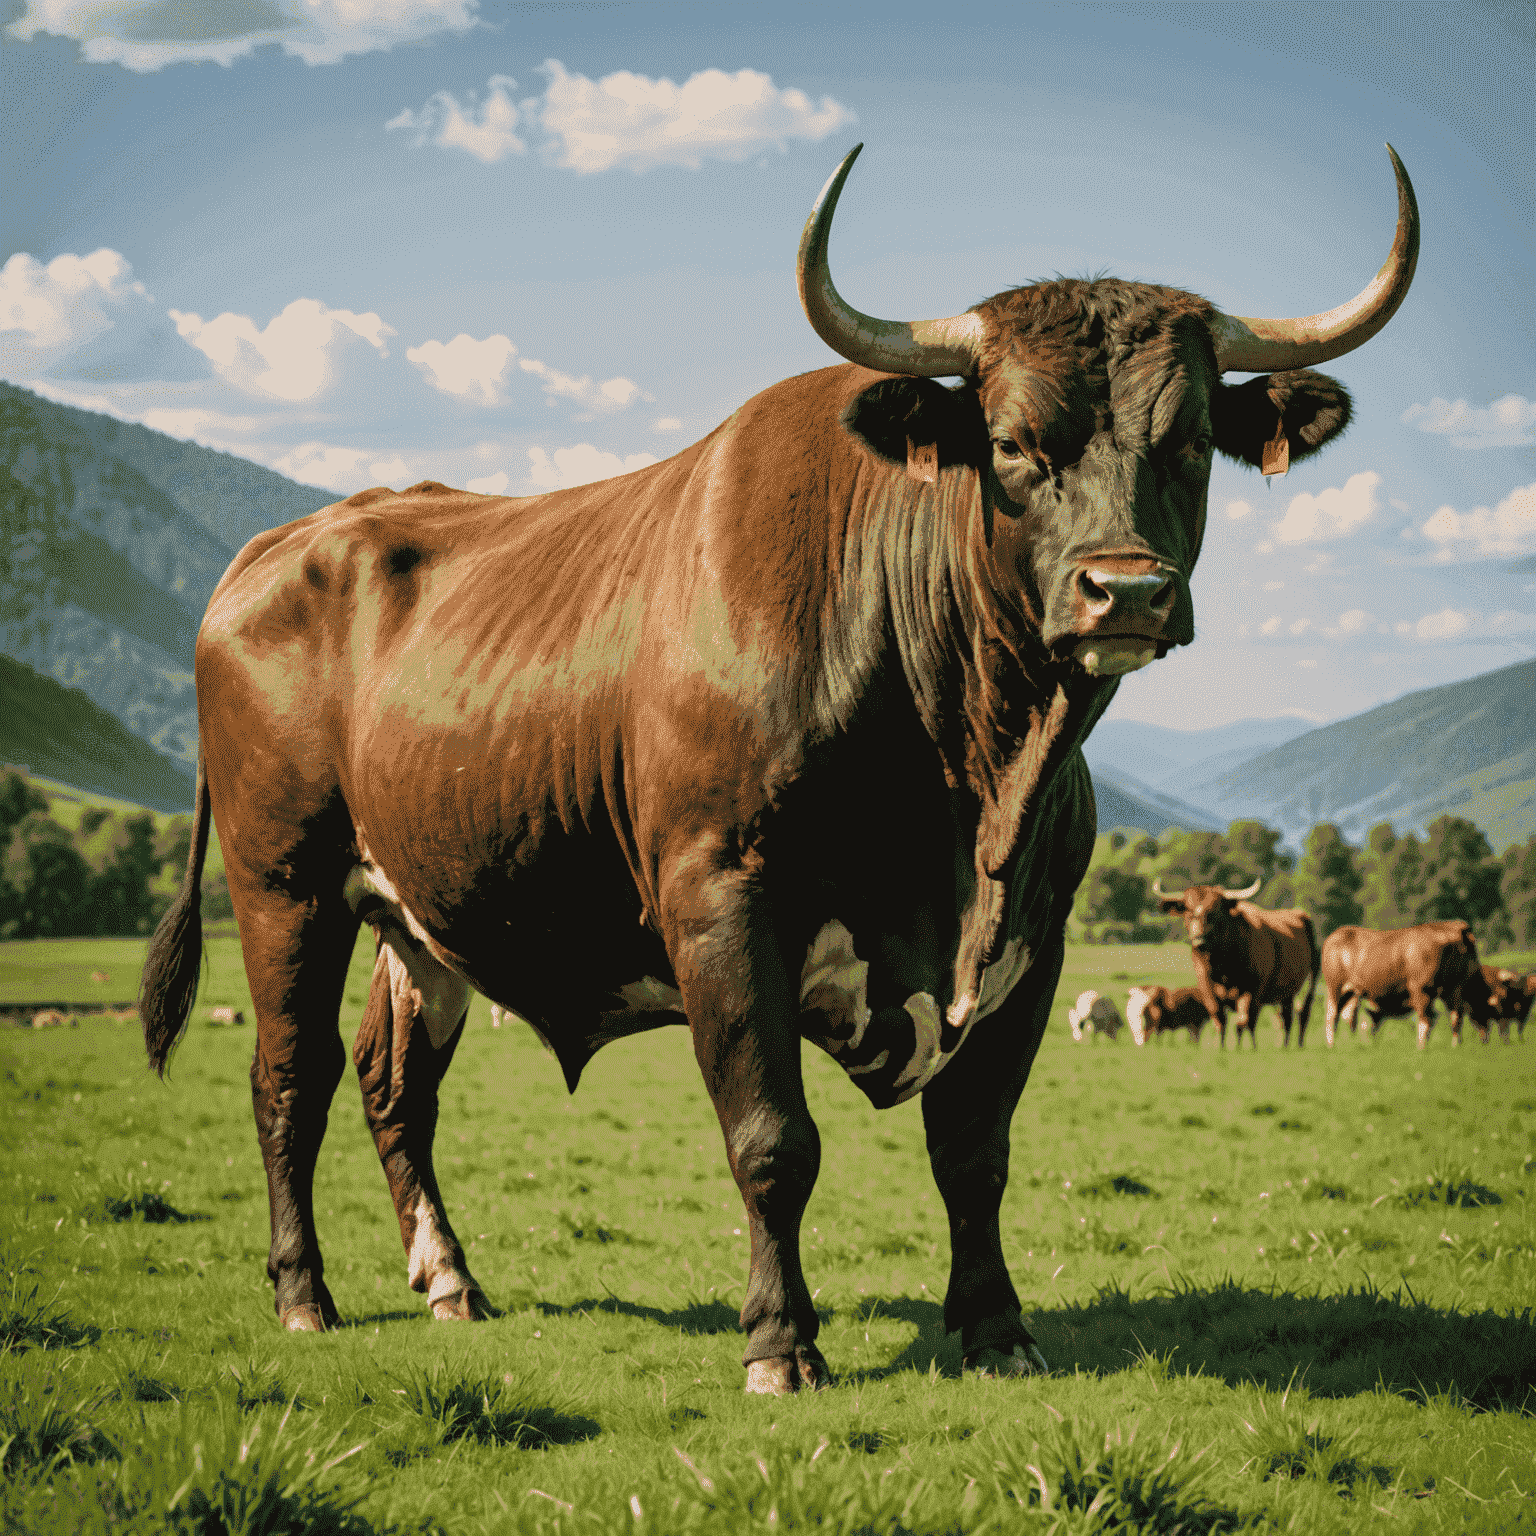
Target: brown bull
x=1396, y=971
x=1155, y=1011
x=1497, y=995
x=1246, y=957
x=780, y=740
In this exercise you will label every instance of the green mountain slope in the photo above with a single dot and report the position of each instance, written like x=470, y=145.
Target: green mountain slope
x=1467, y=748
x=59, y=733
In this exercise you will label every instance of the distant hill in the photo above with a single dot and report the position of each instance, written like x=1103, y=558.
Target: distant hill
x=1467, y=748
x=1123, y=801
x=112, y=539
x=1160, y=756
x=57, y=732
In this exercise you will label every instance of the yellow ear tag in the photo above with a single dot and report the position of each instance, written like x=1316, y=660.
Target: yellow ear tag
x=1277, y=452
x=923, y=462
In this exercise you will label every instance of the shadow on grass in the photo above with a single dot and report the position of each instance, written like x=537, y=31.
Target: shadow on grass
x=698, y=1317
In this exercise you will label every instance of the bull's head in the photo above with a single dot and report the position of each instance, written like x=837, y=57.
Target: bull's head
x=1209, y=911
x=1090, y=411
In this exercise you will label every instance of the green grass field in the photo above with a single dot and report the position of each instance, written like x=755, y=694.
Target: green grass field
x=1279, y=1289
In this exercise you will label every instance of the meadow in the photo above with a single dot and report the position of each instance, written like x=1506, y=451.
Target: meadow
x=1278, y=1289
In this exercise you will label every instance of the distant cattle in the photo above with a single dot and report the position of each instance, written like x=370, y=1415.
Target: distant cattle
x=100, y=976
x=226, y=1016
x=1158, y=1010
x=1247, y=957
x=49, y=1018
x=1396, y=971
x=1094, y=1014
x=1498, y=995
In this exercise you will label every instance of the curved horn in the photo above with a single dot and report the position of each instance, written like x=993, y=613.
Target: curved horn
x=1251, y=345
x=1253, y=890
x=1160, y=893
x=926, y=348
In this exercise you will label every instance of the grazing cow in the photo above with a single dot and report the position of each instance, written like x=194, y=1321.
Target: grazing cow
x=226, y=1016
x=780, y=740
x=1397, y=970
x=1160, y=1010
x=1497, y=995
x=1246, y=957
x=1094, y=1014
x=49, y=1018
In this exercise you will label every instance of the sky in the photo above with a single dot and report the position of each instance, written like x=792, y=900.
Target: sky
x=519, y=246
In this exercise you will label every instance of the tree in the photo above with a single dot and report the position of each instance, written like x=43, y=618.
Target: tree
x=120, y=852
x=43, y=880
x=1393, y=868
x=1114, y=900
x=1328, y=880
x=1461, y=876
x=19, y=797
x=1519, y=891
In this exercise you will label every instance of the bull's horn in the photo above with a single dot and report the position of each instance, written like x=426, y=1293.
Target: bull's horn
x=1160, y=893
x=926, y=348
x=1252, y=890
x=1251, y=345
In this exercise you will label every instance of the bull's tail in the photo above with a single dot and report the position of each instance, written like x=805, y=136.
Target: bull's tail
x=1314, y=969
x=173, y=966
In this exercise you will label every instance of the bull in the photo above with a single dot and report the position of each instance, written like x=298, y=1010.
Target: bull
x=780, y=741
x=1246, y=957
x=1093, y=1015
x=1497, y=995
x=1154, y=1011
x=1393, y=971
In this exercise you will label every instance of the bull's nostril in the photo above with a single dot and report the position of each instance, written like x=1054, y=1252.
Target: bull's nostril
x=1162, y=599
x=1092, y=593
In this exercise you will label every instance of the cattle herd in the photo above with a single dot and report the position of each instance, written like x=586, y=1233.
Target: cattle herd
x=1245, y=957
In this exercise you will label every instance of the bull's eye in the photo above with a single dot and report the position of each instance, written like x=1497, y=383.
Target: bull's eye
x=1201, y=446
x=1008, y=448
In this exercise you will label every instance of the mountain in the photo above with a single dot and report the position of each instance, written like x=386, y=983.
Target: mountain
x=112, y=539
x=1466, y=748
x=1124, y=801
x=1160, y=756
x=58, y=733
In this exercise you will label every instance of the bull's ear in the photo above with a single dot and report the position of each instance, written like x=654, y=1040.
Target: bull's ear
x=1172, y=903
x=1313, y=408
x=886, y=414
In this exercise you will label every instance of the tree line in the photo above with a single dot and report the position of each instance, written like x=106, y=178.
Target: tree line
x=116, y=872
x=1390, y=881
x=112, y=875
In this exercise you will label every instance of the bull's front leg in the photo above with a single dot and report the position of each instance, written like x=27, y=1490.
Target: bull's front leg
x=967, y=1111
x=743, y=1016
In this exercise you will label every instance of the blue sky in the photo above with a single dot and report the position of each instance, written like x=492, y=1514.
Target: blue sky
x=375, y=241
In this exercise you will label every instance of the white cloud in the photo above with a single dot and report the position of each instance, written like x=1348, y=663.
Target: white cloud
x=146, y=35
x=1238, y=510
x=1469, y=624
x=1353, y=621
x=629, y=120
x=1509, y=422
x=491, y=485
x=667, y=424
x=1270, y=626
x=343, y=470
x=1331, y=514
x=466, y=367
x=611, y=395
x=294, y=358
x=1507, y=529
x=1448, y=624
x=49, y=313
x=485, y=129
x=1301, y=626
x=580, y=465
x=1273, y=586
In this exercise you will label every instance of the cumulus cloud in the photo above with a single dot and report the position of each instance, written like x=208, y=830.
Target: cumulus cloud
x=1507, y=529
x=580, y=465
x=1270, y=626
x=1331, y=514
x=84, y=317
x=294, y=358
x=1353, y=621
x=667, y=424
x=491, y=485
x=343, y=470
x=1238, y=510
x=470, y=369
x=611, y=395
x=1509, y=422
x=146, y=35
x=486, y=129
x=627, y=120
x=1451, y=624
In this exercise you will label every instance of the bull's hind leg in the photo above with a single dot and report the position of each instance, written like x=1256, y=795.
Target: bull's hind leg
x=410, y=1029
x=967, y=1110
x=296, y=957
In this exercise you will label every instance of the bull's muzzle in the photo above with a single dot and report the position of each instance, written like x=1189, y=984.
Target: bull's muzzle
x=1118, y=609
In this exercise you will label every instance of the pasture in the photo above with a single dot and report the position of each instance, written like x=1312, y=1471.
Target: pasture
x=1277, y=1289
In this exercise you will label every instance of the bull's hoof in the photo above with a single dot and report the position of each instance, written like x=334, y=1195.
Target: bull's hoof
x=464, y=1306
x=1022, y=1360
x=305, y=1318
x=779, y=1375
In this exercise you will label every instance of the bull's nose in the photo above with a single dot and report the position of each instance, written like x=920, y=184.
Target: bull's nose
x=1141, y=600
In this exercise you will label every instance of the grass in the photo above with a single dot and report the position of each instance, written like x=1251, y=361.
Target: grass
x=1280, y=1289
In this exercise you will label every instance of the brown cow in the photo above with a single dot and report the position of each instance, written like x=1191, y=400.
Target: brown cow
x=1396, y=970
x=1152, y=1011
x=779, y=740
x=1497, y=995
x=1246, y=957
